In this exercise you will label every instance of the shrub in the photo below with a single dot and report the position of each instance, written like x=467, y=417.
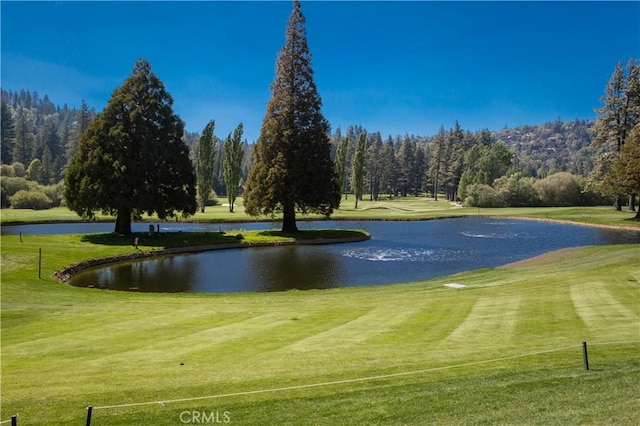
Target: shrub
x=10, y=185
x=54, y=192
x=33, y=199
x=7, y=170
x=19, y=169
x=481, y=195
x=559, y=190
x=517, y=190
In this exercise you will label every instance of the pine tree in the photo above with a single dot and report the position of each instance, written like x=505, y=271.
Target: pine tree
x=8, y=134
x=357, y=167
x=293, y=170
x=131, y=159
x=205, y=163
x=374, y=165
x=341, y=165
x=233, y=154
x=625, y=173
x=620, y=112
x=437, y=155
x=23, y=148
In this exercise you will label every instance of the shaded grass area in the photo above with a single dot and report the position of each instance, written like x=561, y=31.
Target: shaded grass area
x=64, y=348
x=190, y=239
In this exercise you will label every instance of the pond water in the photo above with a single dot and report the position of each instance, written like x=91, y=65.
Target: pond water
x=397, y=252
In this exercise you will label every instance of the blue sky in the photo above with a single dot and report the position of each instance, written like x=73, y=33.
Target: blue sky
x=393, y=67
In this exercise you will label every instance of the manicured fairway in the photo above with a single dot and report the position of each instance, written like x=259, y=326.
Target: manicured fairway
x=504, y=349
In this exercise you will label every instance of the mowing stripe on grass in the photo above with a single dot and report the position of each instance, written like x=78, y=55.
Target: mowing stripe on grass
x=492, y=316
x=595, y=304
x=355, y=380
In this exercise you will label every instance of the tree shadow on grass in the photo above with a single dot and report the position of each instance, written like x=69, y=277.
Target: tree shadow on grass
x=316, y=234
x=164, y=240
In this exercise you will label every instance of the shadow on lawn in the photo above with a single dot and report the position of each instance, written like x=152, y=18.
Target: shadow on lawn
x=164, y=240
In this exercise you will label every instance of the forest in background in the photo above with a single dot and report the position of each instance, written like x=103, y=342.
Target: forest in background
x=39, y=138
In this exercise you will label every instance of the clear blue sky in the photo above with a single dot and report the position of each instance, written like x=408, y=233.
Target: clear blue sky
x=393, y=67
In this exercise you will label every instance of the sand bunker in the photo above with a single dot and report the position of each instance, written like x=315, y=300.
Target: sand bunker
x=455, y=285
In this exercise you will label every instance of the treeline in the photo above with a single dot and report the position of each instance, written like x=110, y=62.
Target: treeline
x=453, y=163
x=39, y=139
x=40, y=135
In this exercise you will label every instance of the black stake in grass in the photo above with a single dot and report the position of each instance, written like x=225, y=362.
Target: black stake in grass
x=586, y=356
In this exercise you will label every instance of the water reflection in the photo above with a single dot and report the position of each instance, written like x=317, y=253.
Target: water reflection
x=293, y=267
x=397, y=252
x=176, y=272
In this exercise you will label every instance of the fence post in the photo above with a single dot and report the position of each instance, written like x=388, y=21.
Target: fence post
x=14, y=420
x=40, y=263
x=585, y=355
x=89, y=411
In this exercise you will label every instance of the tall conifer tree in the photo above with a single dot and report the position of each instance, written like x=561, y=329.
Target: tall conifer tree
x=293, y=170
x=205, y=164
x=357, y=168
x=233, y=154
x=131, y=159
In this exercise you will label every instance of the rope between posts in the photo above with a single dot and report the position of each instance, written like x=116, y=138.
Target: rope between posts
x=339, y=382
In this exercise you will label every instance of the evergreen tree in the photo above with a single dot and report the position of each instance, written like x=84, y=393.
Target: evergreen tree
x=406, y=161
x=205, y=163
x=357, y=167
x=131, y=159
x=233, y=154
x=620, y=111
x=8, y=134
x=437, y=155
x=420, y=168
x=374, y=165
x=293, y=170
x=341, y=165
x=624, y=174
x=23, y=148
x=82, y=119
x=389, y=167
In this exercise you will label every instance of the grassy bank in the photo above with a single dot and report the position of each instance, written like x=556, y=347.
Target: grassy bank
x=506, y=348
x=409, y=208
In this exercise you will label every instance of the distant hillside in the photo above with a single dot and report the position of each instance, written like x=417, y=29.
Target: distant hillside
x=551, y=147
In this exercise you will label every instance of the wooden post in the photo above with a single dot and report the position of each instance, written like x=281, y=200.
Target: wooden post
x=40, y=263
x=89, y=411
x=14, y=420
x=585, y=355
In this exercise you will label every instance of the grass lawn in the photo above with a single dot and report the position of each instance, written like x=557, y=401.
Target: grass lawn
x=505, y=349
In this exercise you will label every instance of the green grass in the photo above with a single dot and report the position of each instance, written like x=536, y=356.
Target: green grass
x=506, y=349
x=409, y=208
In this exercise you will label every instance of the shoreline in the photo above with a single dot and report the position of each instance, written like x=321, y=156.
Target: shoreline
x=63, y=275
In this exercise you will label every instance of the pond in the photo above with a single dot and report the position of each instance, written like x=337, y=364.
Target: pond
x=397, y=252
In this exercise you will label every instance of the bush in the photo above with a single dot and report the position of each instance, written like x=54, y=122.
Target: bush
x=481, y=195
x=517, y=190
x=559, y=190
x=33, y=199
x=7, y=170
x=18, y=169
x=10, y=185
x=54, y=192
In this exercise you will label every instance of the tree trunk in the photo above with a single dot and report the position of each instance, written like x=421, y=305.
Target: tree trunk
x=617, y=205
x=632, y=203
x=123, y=221
x=289, y=218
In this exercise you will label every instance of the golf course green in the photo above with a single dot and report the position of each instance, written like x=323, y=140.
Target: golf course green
x=493, y=346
